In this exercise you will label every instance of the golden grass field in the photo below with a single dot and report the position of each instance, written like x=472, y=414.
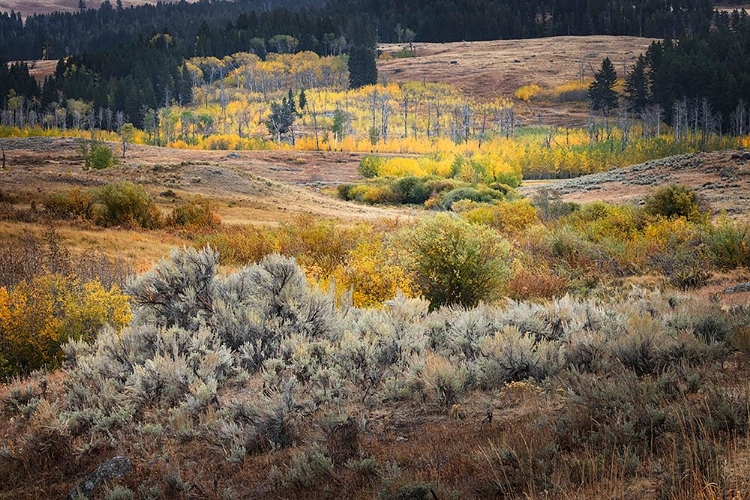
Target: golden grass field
x=496, y=69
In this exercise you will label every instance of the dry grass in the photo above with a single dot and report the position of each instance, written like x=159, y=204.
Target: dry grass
x=722, y=179
x=289, y=188
x=246, y=185
x=488, y=70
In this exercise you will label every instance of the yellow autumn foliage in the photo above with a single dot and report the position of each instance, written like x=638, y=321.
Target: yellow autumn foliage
x=371, y=275
x=38, y=317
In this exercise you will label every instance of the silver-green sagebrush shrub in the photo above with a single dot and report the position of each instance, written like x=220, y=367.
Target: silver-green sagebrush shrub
x=193, y=332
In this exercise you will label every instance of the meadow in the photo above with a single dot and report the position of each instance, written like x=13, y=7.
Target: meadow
x=403, y=295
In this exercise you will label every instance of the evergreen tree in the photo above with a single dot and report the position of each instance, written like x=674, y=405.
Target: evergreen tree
x=81, y=5
x=602, y=94
x=302, y=100
x=290, y=102
x=281, y=119
x=362, y=68
x=636, y=86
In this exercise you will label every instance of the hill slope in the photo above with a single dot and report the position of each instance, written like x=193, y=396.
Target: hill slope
x=721, y=178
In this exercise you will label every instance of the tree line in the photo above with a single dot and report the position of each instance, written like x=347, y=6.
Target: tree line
x=93, y=90
x=221, y=27
x=699, y=84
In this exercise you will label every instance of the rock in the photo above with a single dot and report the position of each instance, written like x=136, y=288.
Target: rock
x=114, y=467
x=742, y=287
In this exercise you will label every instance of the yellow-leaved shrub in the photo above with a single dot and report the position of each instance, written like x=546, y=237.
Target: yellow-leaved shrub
x=372, y=276
x=38, y=317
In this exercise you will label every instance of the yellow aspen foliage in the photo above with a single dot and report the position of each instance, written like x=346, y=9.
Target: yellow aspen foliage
x=372, y=276
x=528, y=92
x=36, y=318
x=402, y=167
x=664, y=234
x=509, y=217
x=86, y=313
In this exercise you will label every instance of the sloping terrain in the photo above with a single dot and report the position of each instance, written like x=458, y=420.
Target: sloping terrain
x=247, y=186
x=500, y=67
x=721, y=178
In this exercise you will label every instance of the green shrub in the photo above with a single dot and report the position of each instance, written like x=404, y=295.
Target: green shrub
x=727, y=244
x=479, y=195
x=456, y=262
x=370, y=166
x=676, y=201
x=100, y=157
x=412, y=190
x=344, y=191
x=127, y=204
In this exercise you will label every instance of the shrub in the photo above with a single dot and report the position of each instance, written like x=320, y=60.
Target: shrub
x=684, y=268
x=317, y=242
x=550, y=206
x=676, y=201
x=73, y=204
x=445, y=380
x=528, y=92
x=241, y=244
x=100, y=157
x=509, y=217
x=127, y=204
x=479, y=195
x=370, y=166
x=196, y=213
x=412, y=190
x=536, y=283
x=456, y=262
x=727, y=244
x=38, y=317
x=372, y=275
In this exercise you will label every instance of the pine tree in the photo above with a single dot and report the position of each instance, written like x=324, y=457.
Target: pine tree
x=602, y=94
x=281, y=119
x=636, y=86
x=302, y=100
x=362, y=68
x=81, y=5
x=290, y=102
